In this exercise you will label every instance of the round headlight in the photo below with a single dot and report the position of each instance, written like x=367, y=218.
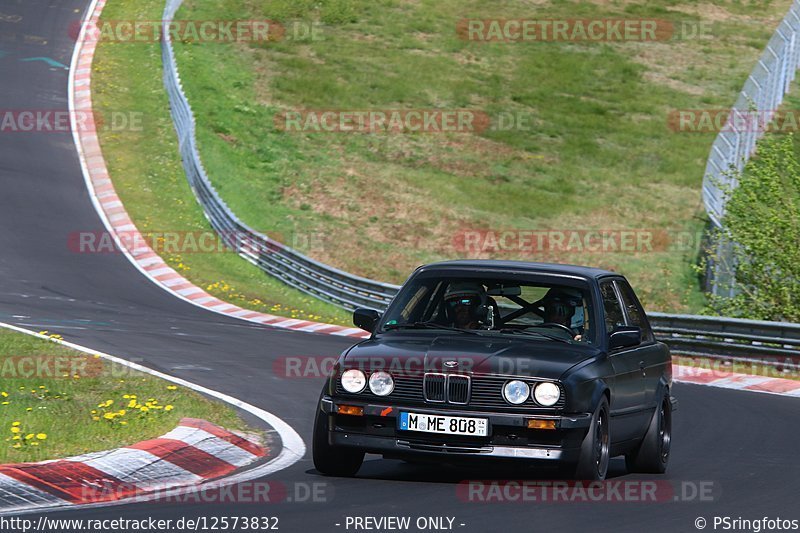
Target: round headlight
x=546, y=394
x=381, y=383
x=354, y=380
x=516, y=392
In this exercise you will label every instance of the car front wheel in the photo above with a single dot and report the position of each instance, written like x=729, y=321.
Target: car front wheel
x=332, y=460
x=596, y=447
x=652, y=455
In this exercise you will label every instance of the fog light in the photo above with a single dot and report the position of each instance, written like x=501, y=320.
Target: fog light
x=535, y=423
x=350, y=410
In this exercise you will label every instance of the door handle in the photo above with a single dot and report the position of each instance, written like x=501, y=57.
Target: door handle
x=641, y=367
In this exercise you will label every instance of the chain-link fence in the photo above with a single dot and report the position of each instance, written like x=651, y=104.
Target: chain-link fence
x=762, y=94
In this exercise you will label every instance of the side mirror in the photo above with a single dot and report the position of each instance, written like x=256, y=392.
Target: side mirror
x=625, y=337
x=366, y=319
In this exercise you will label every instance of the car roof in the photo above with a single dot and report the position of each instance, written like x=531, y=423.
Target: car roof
x=521, y=266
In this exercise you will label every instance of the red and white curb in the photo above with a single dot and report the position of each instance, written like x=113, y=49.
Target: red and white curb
x=116, y=218
x=732, y=380
x=191, y=454
x=287, y=450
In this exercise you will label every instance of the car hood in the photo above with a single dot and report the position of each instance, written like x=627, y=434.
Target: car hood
x=403, y=353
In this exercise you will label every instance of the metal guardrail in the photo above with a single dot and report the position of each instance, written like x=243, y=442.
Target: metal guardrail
x=715, y=337
x=729, y=338
x=276, y=259
x=762, y=94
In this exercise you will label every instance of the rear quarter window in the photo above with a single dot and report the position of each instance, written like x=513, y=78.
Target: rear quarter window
x=612, y=307
x=633, y=309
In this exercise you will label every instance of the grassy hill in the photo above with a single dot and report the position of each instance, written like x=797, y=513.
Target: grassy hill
x=597, y=153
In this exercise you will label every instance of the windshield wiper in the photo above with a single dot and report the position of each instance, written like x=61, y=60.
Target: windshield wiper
x=537, y=333
x=429, y=325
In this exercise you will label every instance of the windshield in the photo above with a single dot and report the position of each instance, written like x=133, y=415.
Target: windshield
x=492, y=305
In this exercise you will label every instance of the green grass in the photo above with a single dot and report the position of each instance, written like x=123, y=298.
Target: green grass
x=41, y=396
x=599, y=156
x=146, y=169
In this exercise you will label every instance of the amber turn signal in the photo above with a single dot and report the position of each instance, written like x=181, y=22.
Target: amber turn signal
x=350, y=410
x=535, y=423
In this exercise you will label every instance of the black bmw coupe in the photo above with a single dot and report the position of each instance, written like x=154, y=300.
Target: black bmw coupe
x=498, y=359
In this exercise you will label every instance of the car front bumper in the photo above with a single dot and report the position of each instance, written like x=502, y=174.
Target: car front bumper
x=509, y=437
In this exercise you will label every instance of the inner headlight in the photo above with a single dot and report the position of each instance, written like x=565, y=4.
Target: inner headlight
x=354, y=380
x=546, y=394
x=516, y=392
x=381, y=383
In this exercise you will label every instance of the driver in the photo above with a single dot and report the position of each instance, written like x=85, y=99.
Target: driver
x=463, y=300
x=559, y=308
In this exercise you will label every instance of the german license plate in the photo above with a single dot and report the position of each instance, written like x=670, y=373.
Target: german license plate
x=447, y=425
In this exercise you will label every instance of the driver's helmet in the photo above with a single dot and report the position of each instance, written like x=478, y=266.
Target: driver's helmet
x=562, y=303
x=465, y=293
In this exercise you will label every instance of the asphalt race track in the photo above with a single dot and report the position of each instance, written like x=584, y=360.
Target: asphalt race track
x=744, y=444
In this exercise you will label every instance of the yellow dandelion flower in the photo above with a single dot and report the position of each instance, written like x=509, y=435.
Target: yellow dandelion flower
x=41, y=436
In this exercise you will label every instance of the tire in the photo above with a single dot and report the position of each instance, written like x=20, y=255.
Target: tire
x=332, y=460
x=652, y=454
x=596, y=446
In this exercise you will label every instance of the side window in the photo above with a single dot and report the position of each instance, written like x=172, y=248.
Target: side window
x=613, y=310
x=636, y=316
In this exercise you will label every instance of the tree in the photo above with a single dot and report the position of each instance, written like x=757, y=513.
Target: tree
x=762, y=219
